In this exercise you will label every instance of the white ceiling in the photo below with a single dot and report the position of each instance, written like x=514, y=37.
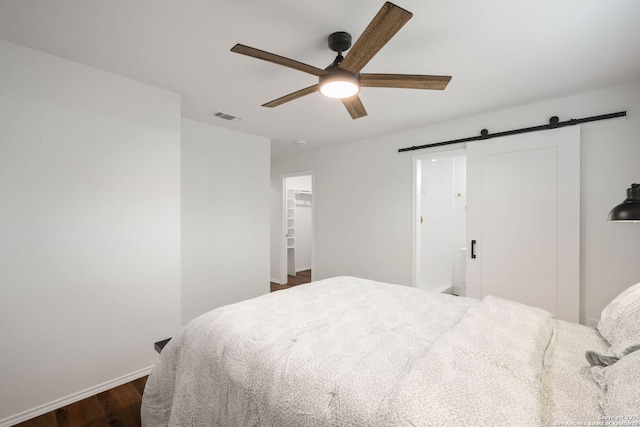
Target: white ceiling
x=501, y=53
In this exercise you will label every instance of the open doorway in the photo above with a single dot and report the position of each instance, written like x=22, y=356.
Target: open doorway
x=440, y=221
x=298, y=209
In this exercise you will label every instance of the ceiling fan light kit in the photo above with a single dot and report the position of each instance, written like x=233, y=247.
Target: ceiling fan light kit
x=343, y=78
x=339, y=83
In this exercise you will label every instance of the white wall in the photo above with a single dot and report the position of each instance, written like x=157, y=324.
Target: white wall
x=362, y=207
x=276, y=233
x=363, y=193
x=93, y=178
x=89, y=229
x=225, y=225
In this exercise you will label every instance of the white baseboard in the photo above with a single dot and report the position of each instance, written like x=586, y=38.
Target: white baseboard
x=278, y=281
x=72, y=398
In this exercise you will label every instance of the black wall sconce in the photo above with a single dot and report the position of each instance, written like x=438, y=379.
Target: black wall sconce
x=629, y=210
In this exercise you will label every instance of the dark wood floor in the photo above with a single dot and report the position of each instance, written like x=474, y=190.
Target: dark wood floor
x=300, y=278
x=120, y=406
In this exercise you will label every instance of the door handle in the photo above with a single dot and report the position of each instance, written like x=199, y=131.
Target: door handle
x=473, y=249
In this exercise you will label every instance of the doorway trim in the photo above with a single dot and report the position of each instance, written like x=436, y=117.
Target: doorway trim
x=416, y=199
x=283, y=238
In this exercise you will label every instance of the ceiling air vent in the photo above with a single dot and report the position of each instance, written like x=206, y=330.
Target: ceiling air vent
x=227, y=116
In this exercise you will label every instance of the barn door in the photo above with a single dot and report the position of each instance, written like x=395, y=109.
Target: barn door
x=523, y=219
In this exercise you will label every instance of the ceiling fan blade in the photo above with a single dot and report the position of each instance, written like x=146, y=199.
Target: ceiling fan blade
x=407, y=81
x=382, y=28
x=354, y=107
x=277, y=59
x=291, y=96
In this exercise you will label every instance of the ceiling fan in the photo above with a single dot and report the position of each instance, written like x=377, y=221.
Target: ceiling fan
x=342, y=79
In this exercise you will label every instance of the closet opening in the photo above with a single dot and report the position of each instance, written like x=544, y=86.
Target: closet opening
x=298, y=205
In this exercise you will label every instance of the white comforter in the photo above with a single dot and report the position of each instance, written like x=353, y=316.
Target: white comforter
x=352, y=352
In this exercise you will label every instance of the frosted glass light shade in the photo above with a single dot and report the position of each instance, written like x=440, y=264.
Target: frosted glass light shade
x=339, y=89
x=339, y=83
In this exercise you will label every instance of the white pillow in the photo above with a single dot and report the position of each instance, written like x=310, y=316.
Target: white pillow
x=619, y=385
x=620, y=321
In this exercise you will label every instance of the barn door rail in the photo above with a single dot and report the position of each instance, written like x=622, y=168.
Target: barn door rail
x=554, y=122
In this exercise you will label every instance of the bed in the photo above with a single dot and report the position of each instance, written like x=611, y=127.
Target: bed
x=353, y=352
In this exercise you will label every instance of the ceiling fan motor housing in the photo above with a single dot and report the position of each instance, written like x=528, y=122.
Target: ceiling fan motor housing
x=339, y=41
